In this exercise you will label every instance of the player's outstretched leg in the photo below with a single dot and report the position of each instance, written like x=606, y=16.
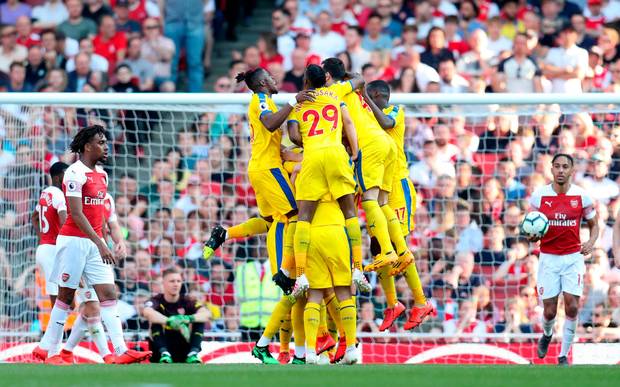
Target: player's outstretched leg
x=422, y=308
x=261, y=349
x=378, y=227
x=219, y=235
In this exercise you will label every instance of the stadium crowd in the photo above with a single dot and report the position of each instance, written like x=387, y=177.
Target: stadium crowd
x=473, y=174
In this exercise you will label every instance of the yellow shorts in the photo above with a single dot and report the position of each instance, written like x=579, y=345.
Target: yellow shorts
x=274, y=192
x=403, y=200
x=375, y=164
x=329, y=258
x=325, y=171
x=275, y=245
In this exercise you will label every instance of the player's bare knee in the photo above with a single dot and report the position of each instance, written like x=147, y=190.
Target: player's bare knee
x=65, y=295
x=549, y=313
x=105, y=292
x=342, y=293
x=371, y=194
x=347, y=206
x=383, y=197
x=90, y=309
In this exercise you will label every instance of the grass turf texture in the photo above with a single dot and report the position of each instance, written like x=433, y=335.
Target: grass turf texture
x=297, y=376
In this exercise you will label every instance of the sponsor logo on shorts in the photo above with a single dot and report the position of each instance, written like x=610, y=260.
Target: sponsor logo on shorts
x=65, y=277
x=88, y=294
x=541, y=290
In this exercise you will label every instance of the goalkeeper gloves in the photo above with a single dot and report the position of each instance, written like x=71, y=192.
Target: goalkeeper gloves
x=177, y=321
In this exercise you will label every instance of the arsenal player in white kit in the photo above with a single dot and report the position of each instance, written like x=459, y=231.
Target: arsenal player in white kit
x=48, y=216
x=561, y=267
x=81, y=250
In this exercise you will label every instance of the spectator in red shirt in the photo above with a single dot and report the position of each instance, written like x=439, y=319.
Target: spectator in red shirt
x=110, y=43
x=267, y=45
x=25, y=36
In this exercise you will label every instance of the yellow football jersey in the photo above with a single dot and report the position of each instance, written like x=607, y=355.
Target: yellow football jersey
x=320, y=121
x=265, y=144
x=328, y=213
x=397, y=113
x=365, y=122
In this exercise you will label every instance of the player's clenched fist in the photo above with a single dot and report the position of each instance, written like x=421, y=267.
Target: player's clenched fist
x=304, y=95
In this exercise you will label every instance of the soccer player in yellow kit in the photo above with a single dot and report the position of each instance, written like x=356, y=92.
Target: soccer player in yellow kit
x=326, y=169
x=403, y=200
x=274, y=193
x=328, y=266
x=374, y=169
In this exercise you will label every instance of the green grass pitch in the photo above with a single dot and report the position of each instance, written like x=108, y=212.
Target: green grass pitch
x=157, y=375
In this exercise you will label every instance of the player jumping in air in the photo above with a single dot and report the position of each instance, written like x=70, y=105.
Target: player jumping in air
x=561, y=267
x=274, y=193
x=81, y=250
x=374, y=168
x=317, y=126
x=402, y=200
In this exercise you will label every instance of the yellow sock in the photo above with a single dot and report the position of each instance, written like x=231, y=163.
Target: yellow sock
x=348, y=314
x=413, y=280
x=297, y=318
x=355, y=238
x=279, y=313
x=301, y=243
x=377, y=225
x=388, y=286
x=323, y=322
x=252, y=226
x=333, y=307
x=286, y=332
x=312, y=317
x=288, y=262
x=396, y=232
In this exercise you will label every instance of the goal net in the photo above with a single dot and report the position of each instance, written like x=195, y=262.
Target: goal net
x=177, y=167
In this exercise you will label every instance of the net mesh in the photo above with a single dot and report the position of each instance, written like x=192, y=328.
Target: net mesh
x=178, y=170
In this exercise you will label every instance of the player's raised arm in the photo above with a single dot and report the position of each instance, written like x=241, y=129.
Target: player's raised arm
x=273, y=120
x=357, y=81
x=349, y=131
x=384, y=120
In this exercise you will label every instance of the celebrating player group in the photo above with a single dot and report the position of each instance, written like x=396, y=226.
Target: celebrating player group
x=348, y=142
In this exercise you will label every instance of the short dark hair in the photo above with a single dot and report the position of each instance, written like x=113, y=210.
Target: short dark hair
x=170, y=270
x=358, y=29
x=16, y=64
x=335, y=68
x=315, y=75
x=58, y=168
x=379, y=86
x=84, y=136
x=569, y=157
x=374, y=15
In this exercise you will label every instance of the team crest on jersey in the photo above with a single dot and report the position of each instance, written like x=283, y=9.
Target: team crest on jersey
x=107, y=206
x=574, y=203
x=181, y=310
x=100, y=195
x=65, y=277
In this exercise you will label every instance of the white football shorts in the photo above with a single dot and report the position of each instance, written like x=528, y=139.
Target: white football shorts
x=79, y=257
x=560, y=273
x=46, y=259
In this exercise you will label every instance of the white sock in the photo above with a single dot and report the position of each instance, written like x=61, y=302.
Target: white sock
x=55, y=328
x=351, y=348
x=77, y=333
x=548, y=326
x=300, y=351
x=263, y=341
x=112, y=322
x=309, y=352
x=98, y=335
x=568, y=336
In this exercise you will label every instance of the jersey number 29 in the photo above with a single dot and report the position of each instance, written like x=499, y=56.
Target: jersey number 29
x=328, y=113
